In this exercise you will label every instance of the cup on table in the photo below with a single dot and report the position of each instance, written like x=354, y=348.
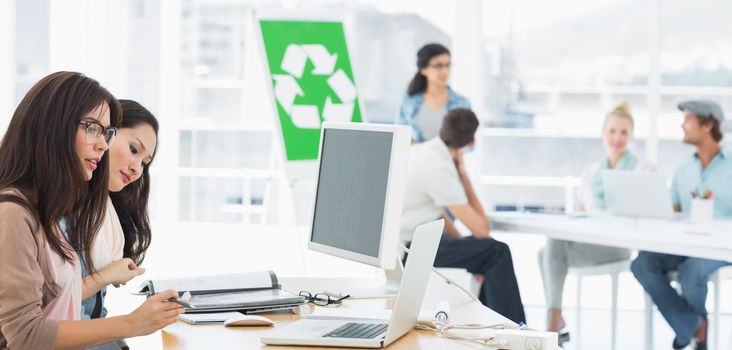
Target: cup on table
x=702, y=209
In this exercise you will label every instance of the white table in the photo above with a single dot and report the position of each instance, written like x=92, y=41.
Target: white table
x=711, y=240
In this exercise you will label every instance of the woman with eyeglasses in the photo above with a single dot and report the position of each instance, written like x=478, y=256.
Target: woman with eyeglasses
x=429, y=97
x=120, y=245
x=53, y=191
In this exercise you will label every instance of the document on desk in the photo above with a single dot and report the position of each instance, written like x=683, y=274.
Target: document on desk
x=251, y=291
x=208, y=318
x=236, y=281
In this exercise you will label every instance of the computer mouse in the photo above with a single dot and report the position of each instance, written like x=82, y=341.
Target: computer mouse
x=248, y=320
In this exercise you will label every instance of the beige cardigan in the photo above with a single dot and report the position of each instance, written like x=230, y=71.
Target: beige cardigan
x=26, y=281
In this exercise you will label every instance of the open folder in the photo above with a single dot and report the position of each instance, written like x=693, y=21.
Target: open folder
x=249, y=292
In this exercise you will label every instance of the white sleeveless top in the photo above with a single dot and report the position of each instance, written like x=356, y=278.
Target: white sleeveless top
x=109, y=243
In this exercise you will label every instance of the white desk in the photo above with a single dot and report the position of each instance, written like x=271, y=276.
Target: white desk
x=237, y=255
x=711, y=240
x=463, y=310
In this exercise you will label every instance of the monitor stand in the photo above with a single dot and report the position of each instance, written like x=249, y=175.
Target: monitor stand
x=390, y=288
x=394, y=278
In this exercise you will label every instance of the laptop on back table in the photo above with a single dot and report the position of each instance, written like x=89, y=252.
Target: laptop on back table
x=639, y=194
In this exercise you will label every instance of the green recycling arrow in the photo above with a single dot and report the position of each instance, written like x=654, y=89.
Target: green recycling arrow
x=306, y=116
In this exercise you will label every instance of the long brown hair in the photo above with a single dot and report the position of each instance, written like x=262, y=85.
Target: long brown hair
x=131, y=203
x=38, y=157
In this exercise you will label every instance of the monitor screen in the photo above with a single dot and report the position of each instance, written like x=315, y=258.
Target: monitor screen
x=351, y=190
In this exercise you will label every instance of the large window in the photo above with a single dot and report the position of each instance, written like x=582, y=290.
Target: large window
x=556, y=74
x=225, y=147
x=550, y=73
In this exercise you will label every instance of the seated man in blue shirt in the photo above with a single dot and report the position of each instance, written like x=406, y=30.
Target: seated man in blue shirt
x=436, y=181
x=709, y=169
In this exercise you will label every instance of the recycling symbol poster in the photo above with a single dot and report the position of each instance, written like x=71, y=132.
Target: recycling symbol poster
x=312, y=80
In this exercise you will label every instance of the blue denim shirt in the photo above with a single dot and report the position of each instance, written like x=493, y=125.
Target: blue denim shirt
x=87, y=306
x=410, y=106
x=717, y=177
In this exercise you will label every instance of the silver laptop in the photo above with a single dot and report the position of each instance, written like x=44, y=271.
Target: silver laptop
x=634, y=193
x=373, y=334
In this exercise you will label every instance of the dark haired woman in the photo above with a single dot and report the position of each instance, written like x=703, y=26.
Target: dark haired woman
x=53, y=191
x=429, y=98
x=120, y=245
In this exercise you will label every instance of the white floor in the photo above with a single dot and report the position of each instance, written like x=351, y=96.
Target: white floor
x=596, y=329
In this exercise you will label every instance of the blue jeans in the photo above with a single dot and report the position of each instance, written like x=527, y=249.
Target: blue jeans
x=683, y=312
x=492, y=259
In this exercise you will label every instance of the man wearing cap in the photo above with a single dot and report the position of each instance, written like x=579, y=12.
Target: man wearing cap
x=708, y=171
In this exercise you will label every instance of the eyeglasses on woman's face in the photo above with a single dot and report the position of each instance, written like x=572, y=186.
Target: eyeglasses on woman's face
x=440, y=66
x=94, y=130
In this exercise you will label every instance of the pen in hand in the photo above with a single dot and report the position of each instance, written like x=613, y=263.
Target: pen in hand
x=183, y=300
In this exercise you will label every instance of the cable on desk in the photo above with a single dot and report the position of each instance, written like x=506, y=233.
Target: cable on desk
x=443, y=330
x=448, y=280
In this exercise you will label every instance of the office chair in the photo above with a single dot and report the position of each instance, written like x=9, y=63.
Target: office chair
x=612, y=269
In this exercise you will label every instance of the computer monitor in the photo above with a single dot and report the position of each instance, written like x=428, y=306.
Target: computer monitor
x=360, y=190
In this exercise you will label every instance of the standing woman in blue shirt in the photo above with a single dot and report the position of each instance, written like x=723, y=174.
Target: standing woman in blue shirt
x=558, y=256
x=429, y=97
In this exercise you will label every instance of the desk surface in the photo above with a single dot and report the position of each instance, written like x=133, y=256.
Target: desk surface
x=185, y=336
x=462, y=309
x=711, y=240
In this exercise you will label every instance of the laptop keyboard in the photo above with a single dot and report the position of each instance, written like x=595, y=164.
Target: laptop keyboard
x=358, y=330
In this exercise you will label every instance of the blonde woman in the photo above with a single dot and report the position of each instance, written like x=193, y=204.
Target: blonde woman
x=558, y=256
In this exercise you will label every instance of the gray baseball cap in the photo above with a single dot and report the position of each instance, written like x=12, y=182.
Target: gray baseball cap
x=704, y=109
